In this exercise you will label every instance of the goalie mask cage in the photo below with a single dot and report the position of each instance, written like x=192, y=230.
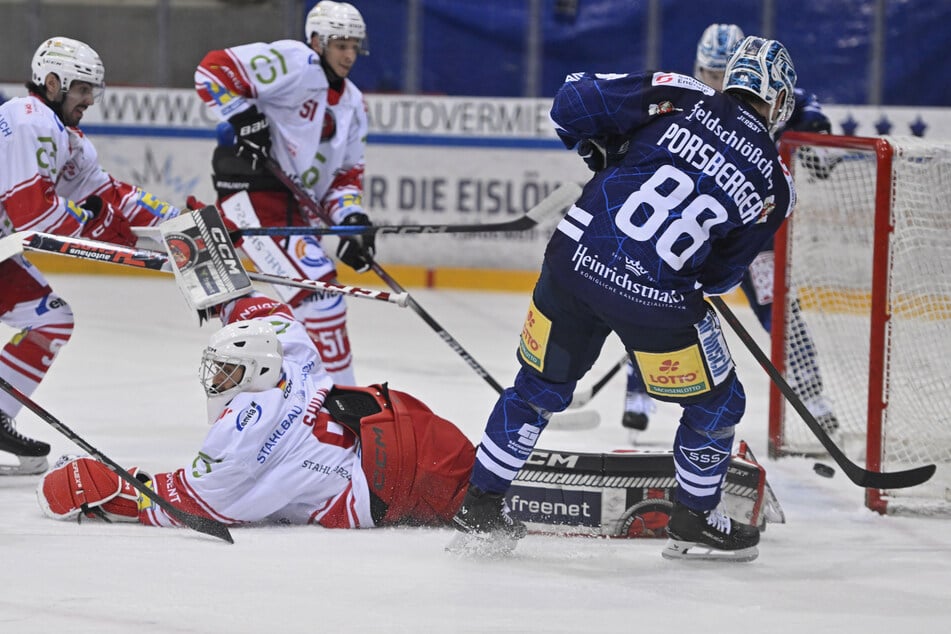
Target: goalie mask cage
x=863, y=291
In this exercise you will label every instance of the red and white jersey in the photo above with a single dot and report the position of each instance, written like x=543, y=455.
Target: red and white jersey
x=48, y=168
x=274, y=456
x=318, y=134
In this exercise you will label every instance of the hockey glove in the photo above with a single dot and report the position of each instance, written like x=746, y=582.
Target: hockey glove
x=357, y=252
x=254, y=135
x=83, y=485
x=106, y=224
x=600, y=153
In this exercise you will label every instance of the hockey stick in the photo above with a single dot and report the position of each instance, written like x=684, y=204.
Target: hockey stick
x=195, y=522
x=547, y=207
x=566, y=421
x=156, y=261
x=580, y=399
x=858, y=475
x=306, y=202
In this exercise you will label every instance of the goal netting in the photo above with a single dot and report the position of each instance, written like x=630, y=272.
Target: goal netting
x=862, y=306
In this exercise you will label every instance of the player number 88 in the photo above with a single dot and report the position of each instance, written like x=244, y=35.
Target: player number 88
x=660, y=205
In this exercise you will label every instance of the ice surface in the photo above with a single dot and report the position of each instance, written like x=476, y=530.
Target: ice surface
x=127, y=382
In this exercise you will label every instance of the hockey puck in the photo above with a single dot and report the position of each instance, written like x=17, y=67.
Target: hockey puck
x=823, y=469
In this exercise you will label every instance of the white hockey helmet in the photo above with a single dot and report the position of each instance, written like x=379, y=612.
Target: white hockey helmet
x=715, y=47
x=245, y=356
x=764, y=69
x=70, y=60
x=331, y=20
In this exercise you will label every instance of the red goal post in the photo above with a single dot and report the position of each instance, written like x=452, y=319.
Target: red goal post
x=863, y=293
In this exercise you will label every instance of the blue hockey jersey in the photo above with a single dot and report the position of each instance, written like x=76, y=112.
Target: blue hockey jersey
x=693, y=189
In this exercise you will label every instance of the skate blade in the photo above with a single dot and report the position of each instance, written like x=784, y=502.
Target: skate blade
x=481, y=545
x=676, y=549
x=29, y=465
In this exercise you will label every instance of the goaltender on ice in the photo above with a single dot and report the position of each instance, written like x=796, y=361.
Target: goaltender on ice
x=287, y=446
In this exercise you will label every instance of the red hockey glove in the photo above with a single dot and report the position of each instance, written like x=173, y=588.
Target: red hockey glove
x=106, y=224
x=83, y=485
x=357, y=252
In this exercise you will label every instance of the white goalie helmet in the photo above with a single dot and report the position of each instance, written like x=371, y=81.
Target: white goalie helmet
x=764, y=69
x=245, y=356
x=331, y=20
x=715, y=47
x=70, y=60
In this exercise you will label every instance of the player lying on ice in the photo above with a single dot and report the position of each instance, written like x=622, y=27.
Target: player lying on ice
x=286, y=445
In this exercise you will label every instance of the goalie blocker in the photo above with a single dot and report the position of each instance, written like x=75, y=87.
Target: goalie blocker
x=207, y=267
x=626, y=494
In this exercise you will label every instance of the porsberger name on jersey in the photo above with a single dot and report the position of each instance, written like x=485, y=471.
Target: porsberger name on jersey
x=730, y=178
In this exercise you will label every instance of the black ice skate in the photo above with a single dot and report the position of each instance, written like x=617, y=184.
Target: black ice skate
x=486, y=527
x=31, y=453
x=709, y=535
x=638, y=407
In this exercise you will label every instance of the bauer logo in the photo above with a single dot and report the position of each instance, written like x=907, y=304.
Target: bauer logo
x=555, y=506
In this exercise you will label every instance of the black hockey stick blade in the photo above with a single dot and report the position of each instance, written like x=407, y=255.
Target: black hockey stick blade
x=855, y=473
x=194, y=522
x=559, y=199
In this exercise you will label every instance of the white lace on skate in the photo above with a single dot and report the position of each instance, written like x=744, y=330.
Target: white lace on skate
x=639, y=403
x=720, y=522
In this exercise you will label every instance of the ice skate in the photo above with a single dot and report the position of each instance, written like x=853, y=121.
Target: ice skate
x=821, y=409
x=485, y=525
x=638, y=407
x=31, y=453
x=709, y=535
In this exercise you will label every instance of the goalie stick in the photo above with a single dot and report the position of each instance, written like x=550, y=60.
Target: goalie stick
x=195, y=522
x=110, y=253
x=568, y=421
x=855, y=473
x=554, y=202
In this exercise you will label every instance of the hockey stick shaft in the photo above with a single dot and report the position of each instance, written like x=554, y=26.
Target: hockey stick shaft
x=308, y=203
x=201, y=524
x=855, y=473
x=156, y=261
x=553, y=203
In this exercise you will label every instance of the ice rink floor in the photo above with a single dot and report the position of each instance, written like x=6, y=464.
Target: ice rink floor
x=127, y=383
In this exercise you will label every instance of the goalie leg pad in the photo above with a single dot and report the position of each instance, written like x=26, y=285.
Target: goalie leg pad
x=84, y=486
x=627, y=494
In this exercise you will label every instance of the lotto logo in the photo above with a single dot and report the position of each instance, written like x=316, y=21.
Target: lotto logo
x=669, y=365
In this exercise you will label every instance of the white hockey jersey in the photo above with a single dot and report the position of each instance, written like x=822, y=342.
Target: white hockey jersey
x=318, y=135
x=274, y=456
x=48, y=168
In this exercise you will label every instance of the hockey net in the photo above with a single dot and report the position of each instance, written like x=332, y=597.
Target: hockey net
x=863, y=297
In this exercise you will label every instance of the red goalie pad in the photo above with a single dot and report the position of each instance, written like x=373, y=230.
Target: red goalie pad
x=85, y=485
